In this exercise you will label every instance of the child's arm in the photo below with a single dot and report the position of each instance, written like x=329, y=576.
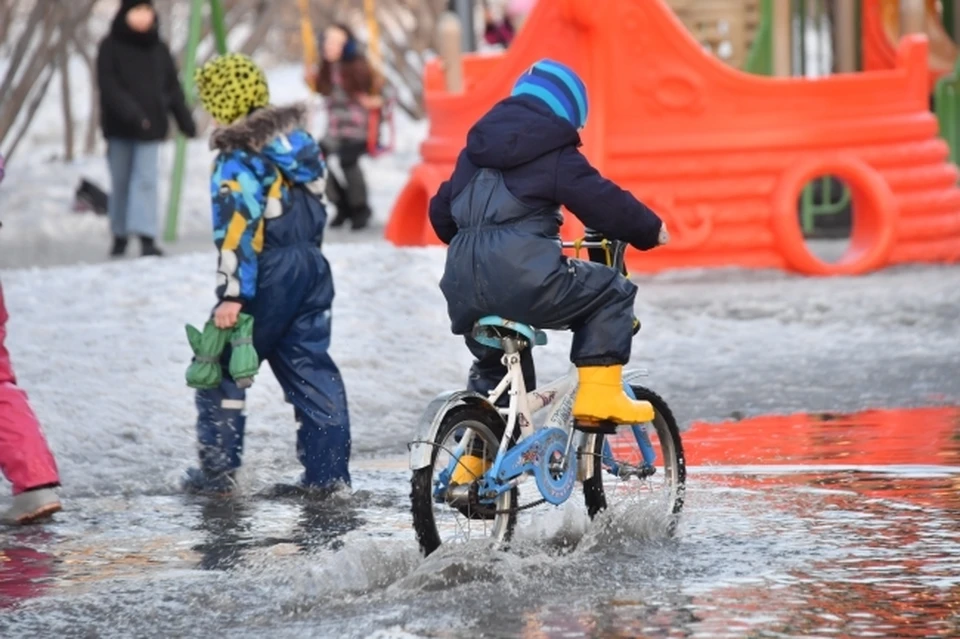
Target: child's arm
x=238, y=202
x=602, y=205
x=440, y=216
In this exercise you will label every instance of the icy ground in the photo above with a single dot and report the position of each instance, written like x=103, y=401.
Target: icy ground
x=102, y=351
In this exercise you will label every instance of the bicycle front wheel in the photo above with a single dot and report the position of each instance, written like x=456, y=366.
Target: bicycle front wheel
x=640, y=466
x=444, y=512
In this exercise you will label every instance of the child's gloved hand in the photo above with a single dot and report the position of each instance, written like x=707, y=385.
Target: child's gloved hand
x=664, y=234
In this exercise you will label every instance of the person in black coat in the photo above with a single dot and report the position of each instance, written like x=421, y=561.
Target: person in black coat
x=139, y=89
x=499, y=213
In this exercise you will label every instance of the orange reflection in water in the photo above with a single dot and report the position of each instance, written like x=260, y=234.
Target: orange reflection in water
x=925, y=436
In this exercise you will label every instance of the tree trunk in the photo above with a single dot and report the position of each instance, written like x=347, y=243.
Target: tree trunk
x=43, y=56
x=31, y=111
x=38, y=14
x=65, y=98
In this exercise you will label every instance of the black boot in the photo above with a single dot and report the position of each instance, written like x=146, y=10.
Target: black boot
x=119, y=247
x=340, y=218
x=149, y=248
x=361, y=218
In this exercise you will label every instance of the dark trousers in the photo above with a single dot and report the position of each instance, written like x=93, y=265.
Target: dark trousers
x=349, y=197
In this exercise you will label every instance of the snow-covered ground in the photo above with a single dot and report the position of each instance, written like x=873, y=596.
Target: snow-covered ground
x=102, y=351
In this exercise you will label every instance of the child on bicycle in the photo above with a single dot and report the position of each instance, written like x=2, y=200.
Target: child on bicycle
x=500, y=215
x=268, y=217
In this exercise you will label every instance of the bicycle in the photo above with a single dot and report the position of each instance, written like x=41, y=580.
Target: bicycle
x=555, y=454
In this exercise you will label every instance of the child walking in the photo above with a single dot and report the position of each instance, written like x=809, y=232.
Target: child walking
x=268, y=219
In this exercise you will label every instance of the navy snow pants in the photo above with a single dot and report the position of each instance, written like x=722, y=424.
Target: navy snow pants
x=292, y=325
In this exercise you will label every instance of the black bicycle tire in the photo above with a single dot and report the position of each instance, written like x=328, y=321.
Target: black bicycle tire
x=421, y=483
x=593, y=493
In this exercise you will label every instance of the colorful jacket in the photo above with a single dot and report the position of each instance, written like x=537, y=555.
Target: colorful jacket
x=262, y=157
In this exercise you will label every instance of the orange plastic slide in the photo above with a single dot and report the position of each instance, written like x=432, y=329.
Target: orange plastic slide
x=721, y=155
x=881, y=31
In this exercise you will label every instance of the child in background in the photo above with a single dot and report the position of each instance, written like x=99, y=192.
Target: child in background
x=499, y=213
x=25, y=457
x=268, y=219
x=345, y=79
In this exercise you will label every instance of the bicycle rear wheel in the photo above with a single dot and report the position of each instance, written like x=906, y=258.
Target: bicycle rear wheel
x=642, y=466
x=445, y=514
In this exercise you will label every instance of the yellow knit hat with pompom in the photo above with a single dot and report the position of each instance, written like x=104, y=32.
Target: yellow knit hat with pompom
x=231, y=86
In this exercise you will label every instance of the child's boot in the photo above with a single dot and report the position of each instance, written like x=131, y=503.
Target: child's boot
x=31, y=505
x=220, y=431
x=470, y=468
x=601, y=404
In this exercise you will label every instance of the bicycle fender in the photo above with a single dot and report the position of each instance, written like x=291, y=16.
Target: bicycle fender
x=634, y=374
x=421, y=449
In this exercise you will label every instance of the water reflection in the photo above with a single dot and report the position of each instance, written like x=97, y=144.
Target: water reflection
x=232, y=528
x=24, y=571
x=889, y=437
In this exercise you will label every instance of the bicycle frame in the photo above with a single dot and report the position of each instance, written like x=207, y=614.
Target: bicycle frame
x=557, y=395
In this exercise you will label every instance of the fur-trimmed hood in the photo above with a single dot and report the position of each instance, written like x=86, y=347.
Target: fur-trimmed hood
x=259, y=129
x=272, y=137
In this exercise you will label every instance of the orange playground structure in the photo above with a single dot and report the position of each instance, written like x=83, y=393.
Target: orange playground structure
x=881, y=30
x=721, y=155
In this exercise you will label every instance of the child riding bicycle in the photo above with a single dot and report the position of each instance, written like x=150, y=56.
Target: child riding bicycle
x=500, y=214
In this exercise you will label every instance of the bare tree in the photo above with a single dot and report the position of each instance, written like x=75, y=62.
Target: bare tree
x=40, y=49
x=65, y=98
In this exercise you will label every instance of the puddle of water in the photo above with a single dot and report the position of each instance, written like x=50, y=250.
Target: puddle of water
x=794, y=526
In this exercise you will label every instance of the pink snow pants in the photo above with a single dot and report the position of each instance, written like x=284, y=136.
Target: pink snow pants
x=25, y=458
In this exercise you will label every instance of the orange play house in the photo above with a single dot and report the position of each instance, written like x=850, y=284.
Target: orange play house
x=721, y=155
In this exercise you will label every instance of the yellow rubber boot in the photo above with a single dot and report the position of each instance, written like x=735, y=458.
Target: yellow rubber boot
x=470, y=468
x=601, y=399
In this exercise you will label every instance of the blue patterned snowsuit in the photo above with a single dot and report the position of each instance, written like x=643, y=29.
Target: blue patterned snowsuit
x=268, y=218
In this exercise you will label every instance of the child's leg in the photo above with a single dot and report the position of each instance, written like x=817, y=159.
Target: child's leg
x=312, y=383
x=488, y=369
x=598, y=305
x=356, y=185
x=120, y=161
x=25, y=458
x=220, y=428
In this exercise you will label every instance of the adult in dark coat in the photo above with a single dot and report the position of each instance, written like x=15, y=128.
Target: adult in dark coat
x=499, y=212
x=139, y=89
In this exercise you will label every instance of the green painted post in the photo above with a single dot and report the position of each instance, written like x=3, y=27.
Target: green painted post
x=949, y=11
x=810, y=208
x=760, y=59
x=180, y=157
x=219, y=26
x=947, y=108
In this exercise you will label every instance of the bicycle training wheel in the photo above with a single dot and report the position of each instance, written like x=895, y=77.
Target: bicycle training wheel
x=444, y=512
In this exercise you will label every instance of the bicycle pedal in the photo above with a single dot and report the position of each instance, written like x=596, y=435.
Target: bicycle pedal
x=604, y=427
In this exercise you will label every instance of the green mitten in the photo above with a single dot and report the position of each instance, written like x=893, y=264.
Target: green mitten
x=244, y=361
x=204, y=371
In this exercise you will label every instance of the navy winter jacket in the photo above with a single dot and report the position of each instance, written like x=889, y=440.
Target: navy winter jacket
x=537, y=153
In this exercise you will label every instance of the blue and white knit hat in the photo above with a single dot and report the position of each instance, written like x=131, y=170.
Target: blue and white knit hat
x=558, y=86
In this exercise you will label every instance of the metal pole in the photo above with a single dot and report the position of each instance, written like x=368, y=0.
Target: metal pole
x=180, y=157
x=846, y=29
x=468, y=37
x=782, y=27
x=913, y=16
